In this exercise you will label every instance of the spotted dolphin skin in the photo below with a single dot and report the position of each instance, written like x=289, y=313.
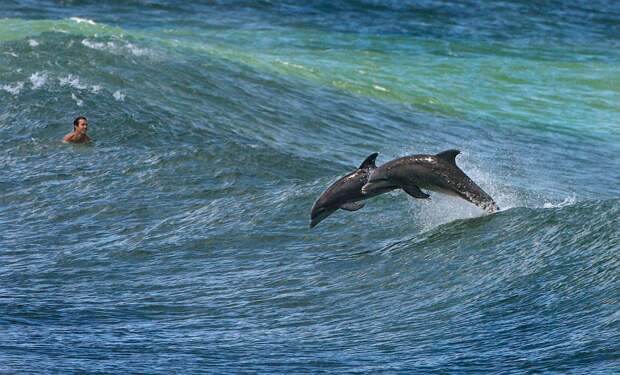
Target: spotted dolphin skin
x=430, y=172
x=346, y=192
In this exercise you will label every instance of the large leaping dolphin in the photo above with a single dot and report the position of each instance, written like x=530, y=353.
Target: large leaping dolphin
x=430, y=172
x=347, y=192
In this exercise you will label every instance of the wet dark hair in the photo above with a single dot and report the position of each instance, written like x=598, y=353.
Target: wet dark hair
x=77, y=119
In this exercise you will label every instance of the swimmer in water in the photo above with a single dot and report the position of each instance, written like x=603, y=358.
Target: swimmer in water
x=78, y=135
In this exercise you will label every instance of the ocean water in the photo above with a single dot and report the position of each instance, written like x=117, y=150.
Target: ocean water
x=178, y=241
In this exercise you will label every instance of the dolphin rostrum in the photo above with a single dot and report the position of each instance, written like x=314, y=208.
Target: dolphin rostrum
x=430, y=172
x=347, y=192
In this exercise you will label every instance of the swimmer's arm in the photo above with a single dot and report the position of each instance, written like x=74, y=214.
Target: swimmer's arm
x=69, y=137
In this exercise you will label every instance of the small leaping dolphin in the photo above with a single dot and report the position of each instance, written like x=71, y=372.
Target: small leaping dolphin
x=347, y=192
x=430, y=172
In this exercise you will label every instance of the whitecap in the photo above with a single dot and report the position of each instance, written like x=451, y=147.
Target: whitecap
x=116, y=48
x=566, y=202
x=380, y=88
x=96, y=88
x=82, y=20
x=73, y=81
x=78, y=101
x=98, y=45
x=33, y=43
x=136, y=50
x=38, y=79
x=119, y=96
x=14, y=88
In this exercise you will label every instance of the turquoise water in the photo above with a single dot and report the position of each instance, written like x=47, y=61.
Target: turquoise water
x=179, y=240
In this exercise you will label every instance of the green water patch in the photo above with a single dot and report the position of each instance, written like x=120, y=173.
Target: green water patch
x=17, y=29
x=575, y=88
x=468, y=80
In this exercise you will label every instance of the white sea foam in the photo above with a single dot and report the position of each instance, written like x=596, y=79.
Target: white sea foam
x=78, y=101
x=14, y=89
x=119, y=96
x=283, y=62
x=83, y=20
x=38, y=79
x=98, y=45
x=566, y=202
x=73, y=81
x=95, y=89
x=33, y=43
x=116, y=48
x=136, y=50
x=485, y=177
x=440, y=209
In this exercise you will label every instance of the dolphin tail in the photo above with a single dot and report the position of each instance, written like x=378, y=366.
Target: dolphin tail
x=468, y=189
x=474, y=194
x=487, y=204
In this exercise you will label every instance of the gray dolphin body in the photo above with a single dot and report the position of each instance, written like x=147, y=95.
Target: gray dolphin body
x=347, y=192
x=430, y=172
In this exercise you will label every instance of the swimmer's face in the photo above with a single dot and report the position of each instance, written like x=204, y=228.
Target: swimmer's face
x=82, y=126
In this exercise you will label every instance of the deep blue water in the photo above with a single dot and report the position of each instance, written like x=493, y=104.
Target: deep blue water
x=178, y=241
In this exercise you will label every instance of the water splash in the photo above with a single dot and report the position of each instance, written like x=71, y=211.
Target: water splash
x=568, y=201
x=14, y=88
x=78, y=101
x=73, y=81
x=38, y=79
x=119, y=96
x=83, y=20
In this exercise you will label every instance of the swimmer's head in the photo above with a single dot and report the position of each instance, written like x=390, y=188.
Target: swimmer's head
x=80, y=124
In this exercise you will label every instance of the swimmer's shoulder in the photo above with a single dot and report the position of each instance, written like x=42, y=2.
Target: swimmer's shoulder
x=68, y=138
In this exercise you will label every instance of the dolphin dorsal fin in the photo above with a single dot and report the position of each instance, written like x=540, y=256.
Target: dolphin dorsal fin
x=369, y=162
x=449, y=156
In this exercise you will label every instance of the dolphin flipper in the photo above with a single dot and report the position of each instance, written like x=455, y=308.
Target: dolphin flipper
x=415, y=191
x=353, y=206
